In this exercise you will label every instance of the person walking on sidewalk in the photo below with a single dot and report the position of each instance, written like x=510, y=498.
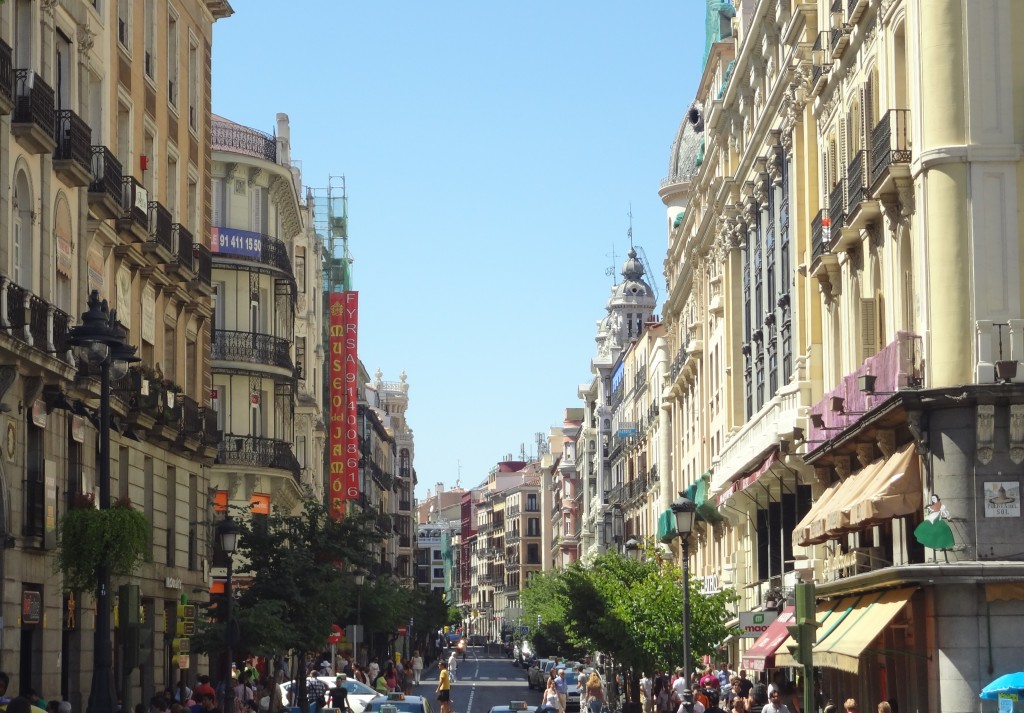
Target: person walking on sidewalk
x=453, y=666
x=417, y=667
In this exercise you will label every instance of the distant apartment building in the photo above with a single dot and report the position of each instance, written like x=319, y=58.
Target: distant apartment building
x=431, y=542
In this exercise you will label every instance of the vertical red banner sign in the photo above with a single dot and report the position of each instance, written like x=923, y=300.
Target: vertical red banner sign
x=351, y=301
x=343, y=481
x=336, y=367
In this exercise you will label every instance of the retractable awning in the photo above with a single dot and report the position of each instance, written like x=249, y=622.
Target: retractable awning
x=887, y=488
x=838, y=518
x=894, y=491
x=802, y=532
x=846, y=643
x=761, y=655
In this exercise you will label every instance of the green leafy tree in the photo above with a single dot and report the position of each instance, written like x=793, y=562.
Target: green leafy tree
x=298, y=573
x=633, y=609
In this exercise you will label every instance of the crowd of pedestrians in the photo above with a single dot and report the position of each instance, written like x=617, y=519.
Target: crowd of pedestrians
x=721, y=690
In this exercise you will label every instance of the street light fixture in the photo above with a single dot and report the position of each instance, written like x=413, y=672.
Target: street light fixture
x=227, y=533
x=633, y=549
x=99, y=341
x=684, y=511
x=360, y=581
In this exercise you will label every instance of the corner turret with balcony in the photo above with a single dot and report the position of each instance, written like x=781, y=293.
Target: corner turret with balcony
x=258, y=224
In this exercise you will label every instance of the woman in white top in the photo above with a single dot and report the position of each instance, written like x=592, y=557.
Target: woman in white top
x=549, y=700
x=417, y=667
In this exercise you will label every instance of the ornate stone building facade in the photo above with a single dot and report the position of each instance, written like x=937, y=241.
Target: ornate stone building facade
x=266, y=296
x=844, y=318
x=105, y=150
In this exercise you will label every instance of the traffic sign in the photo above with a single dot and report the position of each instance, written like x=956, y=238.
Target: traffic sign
x=403, y=630
x=336, y=635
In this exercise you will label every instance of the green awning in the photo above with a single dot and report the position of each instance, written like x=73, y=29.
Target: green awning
x=666, y=527
x=707, y=510
x=679, y=219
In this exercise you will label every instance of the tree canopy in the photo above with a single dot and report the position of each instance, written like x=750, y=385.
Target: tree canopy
x=632, y=608
x=295, y=579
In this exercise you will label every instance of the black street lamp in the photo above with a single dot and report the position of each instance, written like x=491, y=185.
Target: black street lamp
x=227, y=532
x=360, y=581
x=99, y=341
x=633, y=549
x=684, y=510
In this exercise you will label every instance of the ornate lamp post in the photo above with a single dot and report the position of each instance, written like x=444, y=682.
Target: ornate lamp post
x=99, y=341
x=227, y=532
x=684, y=510
x=360, y=581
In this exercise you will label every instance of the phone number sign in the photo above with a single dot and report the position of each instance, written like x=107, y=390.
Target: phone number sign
x=232, y=241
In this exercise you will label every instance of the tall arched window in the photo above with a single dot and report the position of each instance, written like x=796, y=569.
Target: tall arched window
x=21, y=232
x=63, y=249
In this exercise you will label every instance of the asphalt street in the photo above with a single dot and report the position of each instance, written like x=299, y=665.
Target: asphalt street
x=481, y=681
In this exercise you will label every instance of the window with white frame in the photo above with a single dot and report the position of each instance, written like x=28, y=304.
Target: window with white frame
x=172, y=59
x=149, y=25
x=193, y=83
x=124, y=23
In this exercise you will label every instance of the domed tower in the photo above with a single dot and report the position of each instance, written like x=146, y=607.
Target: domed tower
x=632, y=302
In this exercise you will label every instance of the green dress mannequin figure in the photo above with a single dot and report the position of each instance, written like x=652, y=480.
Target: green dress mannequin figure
x=934, y=532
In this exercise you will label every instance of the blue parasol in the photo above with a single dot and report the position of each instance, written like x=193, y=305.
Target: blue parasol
x=1010, y=683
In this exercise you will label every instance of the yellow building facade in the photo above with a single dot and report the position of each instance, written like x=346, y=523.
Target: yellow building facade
x=105, y=151
x=844, y=307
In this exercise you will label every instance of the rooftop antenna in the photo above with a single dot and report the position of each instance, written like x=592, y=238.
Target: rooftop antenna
x=629, y=233
x=610, y=271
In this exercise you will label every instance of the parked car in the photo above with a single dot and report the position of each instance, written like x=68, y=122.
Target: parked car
x=513, y=707
x=572, y=692
x=535, y=675
x=359, y=694
x=523, y=655
x=402, y=702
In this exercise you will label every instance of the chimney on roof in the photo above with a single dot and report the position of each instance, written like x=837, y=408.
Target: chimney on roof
x=440, y=489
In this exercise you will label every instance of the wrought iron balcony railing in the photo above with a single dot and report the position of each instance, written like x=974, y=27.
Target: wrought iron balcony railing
x=251, y=347
x=6, y=74
x=257, y=452
x=160, y=230
x=820, y=64
x=203, y=264
x=228, y=136
x=33, y=320
x=817, y=235
x=837, y=207
x=134, y=204
x=74, y=141
x=890, y=144
x=856, y=181
x=191, y=417
x=106, y=174
x=184, y=253
x=211, y=434
x=34, y=102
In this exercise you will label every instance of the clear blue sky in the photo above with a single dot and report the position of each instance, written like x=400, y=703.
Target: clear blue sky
x=491, y=150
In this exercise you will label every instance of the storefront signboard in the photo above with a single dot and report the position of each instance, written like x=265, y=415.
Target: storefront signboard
x=755, y=623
